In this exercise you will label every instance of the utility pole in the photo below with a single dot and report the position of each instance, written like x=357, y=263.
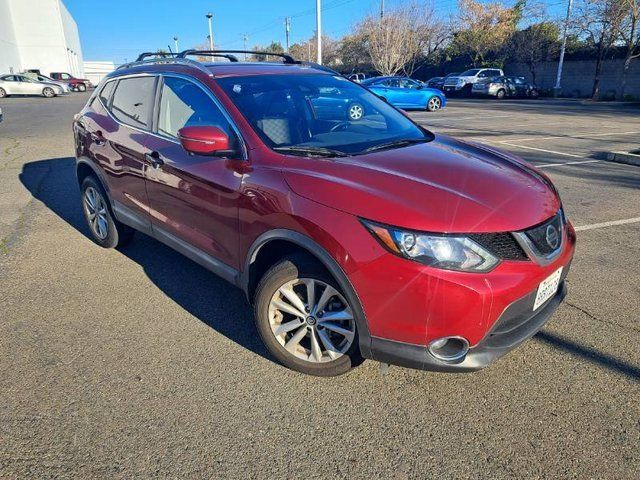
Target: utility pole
x=381, y=8
x=319, y=31
x=209, y=17
x=287, y=27
x=175, y=43
x=558, y=88
x=245, y=38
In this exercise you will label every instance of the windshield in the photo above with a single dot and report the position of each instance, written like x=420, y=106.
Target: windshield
x=470, y=73
x=318, y=112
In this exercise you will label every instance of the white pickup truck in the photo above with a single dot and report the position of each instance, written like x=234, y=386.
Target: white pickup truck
x=464, y=82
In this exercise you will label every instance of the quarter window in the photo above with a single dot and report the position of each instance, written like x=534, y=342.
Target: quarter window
x=183, y=104
x=133, y=101
x=105, y=93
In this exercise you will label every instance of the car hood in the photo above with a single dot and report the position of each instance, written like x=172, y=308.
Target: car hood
x=442, y=186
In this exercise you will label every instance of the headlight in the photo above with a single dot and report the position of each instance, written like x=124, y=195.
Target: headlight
x=460, y=81
x=449, y=252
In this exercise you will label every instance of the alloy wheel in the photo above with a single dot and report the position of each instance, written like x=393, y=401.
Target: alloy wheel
x=48, y=92
x=356, y=112
x=95, y=209
x=434, y=104
x=311, y=320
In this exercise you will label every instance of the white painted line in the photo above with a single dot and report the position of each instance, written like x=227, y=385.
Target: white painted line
x=607, y=224
x=543, y=150
x=567, y=163
x=572, y=137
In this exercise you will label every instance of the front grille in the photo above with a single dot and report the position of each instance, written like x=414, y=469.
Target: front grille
x=502, y=245
x=546, y=237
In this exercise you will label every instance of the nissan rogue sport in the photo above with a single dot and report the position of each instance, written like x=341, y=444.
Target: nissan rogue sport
x=368, y=238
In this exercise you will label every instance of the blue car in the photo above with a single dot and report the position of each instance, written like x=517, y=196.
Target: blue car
x=403, y=92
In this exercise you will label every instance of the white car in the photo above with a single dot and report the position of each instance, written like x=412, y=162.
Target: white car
x=463, y=83
x=43, y=78
x=17, y=84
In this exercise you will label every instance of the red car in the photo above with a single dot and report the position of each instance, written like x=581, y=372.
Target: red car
x=370, y=238
x=78, y=84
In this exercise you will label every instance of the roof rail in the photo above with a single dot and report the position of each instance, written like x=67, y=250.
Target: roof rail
x=284, y=56
x=207, y=53
x=165, y=59
x=144, y=55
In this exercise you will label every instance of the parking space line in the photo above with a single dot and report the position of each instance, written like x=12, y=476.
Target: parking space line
x=589, y=137
x=567, y=163
x=542, y=150
x=593, y=226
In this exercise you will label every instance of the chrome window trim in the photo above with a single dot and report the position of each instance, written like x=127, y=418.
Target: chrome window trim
x=531, y=250
x=209, y=93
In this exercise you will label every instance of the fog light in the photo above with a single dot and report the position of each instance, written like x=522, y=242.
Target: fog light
x=449, y=349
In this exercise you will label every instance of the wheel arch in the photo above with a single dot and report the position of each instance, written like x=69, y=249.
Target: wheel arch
x=273, y=245
x=85, y=168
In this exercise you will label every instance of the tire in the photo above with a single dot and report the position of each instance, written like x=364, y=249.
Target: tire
x=467, y=89
x=355, y=112
x=434, y=104
x=48, y=92
x=500, y=94
x=3, y=93
x=534, y=94
x=105, y=230
x=82, y=87
x=309, y=342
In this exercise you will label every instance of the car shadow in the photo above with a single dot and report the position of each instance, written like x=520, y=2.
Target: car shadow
x=207, y=297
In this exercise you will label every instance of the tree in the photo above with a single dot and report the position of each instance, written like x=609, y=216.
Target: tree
x=483, y=28
x=273, y=47
x=353, y=51
x=535, y=44
x=396, y=41
x=629, y=32
x=599, y=21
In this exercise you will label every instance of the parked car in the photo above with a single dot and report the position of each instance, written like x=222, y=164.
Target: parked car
x=357, y=77
x=403, y=92
x=16, y=84
x=328, y=104
x=359, y=239
x=77, y=84
x=434, y=81
x=438, y=82
x=43, y=78
x=502, y=87
x=462, y=84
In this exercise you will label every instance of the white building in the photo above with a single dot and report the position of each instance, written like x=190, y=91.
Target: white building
x=96, y=71
x=39, y=35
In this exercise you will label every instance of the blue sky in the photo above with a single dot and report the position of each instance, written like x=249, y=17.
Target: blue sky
x=120, y=29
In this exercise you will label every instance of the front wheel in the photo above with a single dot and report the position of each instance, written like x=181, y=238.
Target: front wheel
x=500, y=94
x=48, y=92
x=434, y=104
x=3, y=93
x=82, y=87
x=304, y=319
x=355, y=111
x=534, y=94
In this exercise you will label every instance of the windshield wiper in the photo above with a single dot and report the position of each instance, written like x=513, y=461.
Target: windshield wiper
x=311, y=151
x=395, y=144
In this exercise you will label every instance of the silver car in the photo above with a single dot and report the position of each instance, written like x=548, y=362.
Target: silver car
x=16, y=84
x=43, y=78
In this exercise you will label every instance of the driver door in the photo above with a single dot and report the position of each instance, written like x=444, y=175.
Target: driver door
x=193, y=197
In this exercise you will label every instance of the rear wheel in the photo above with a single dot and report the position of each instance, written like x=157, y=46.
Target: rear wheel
x=3, y=93
x=48, y=92
x=82, y=87
x=434, y=104
x=534, y=94
x=105, y=230
x=500, y=94
x=355, y=111
x=304, y=319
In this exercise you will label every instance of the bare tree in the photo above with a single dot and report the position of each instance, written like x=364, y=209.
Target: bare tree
x=599, y=21
x=629, y=32
x=396, y=41
x=535, y=44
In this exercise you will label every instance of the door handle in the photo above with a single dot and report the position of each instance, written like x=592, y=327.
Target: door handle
x=154, y=159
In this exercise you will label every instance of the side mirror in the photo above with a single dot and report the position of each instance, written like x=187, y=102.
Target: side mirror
x=205, y=140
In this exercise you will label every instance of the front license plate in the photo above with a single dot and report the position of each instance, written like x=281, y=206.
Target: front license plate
x=547, y=288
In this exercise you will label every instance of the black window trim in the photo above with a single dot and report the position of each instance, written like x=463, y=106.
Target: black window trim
x=209, y=93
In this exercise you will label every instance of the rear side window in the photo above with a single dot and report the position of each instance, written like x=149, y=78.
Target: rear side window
x=133, y=101
x=105, y=93
x=184, y=104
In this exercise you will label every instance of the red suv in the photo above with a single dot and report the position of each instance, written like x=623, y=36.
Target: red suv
x=352, y=238
x=77, y=84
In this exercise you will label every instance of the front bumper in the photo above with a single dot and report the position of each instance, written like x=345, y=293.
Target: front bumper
x=517, y=323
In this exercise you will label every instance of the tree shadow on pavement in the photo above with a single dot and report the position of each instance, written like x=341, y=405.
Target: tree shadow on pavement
x=212, y=300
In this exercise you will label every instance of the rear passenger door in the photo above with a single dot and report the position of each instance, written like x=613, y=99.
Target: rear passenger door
x=193, y=198
x=118, y=128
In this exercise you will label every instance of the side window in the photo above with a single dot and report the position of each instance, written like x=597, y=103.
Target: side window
x=483, y=74
x=133, y=101
x=105, y=93
x=394, y=82
x=183, y=104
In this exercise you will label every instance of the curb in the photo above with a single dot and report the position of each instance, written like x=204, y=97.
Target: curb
x=624, y=157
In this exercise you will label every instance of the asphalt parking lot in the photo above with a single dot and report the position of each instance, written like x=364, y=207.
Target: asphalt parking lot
x=138, y=362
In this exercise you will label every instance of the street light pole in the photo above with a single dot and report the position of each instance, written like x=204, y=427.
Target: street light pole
x=209, y=17
x=287, y=27
x=245, y=38
x=319, y=31
x=381, y=8
x=558, y=88
x=175, y=42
